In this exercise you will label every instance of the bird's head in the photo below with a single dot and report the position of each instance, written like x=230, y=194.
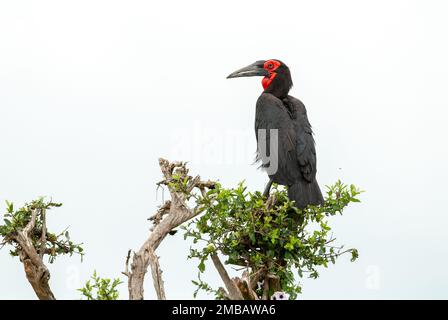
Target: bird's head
x=276, y=76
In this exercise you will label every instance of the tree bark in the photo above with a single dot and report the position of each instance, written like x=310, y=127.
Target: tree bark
x=234, y=292
x=36, y=272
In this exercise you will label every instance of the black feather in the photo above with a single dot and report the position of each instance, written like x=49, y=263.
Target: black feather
x=297, y=154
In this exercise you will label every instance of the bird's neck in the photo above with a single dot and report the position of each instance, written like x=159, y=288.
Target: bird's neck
x=277, y=85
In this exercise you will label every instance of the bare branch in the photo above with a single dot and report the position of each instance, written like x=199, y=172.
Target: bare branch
x=170, y=215
x=232, y=288
x=43, y=239
x=36, y=272
x=158, y=216
x=126, y=265
x=156, y=275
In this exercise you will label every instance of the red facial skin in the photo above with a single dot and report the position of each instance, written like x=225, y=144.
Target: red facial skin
x=270, y=66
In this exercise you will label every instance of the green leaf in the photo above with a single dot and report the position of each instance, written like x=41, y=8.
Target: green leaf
x=355, y=255
x=201, y=266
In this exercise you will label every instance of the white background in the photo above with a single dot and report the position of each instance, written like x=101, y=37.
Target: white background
x=93, y=92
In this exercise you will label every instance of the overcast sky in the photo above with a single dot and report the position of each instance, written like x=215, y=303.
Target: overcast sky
x=93, y=92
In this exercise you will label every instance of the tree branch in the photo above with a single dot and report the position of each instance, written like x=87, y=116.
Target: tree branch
x=36, y=272
x=43, y=238
x=234, y=292
x=170, y=215
x=156, y=275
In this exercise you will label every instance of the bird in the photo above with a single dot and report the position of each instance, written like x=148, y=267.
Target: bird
x=296, y=151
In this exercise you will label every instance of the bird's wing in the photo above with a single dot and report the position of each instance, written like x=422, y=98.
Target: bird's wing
x=272, y=114
x=305, y=145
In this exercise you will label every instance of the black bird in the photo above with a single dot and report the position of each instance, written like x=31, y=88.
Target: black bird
x=276, y=109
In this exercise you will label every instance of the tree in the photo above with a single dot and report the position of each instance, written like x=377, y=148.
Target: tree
x=268, y=238
x=26, y=231
x=271, y=241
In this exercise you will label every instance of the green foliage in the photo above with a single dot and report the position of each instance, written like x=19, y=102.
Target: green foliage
x=276, y=236
x=15, y=220
x=101, y=288
x=201, y=285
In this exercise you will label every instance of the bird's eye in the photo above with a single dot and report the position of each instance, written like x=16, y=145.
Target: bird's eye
x=271, y=65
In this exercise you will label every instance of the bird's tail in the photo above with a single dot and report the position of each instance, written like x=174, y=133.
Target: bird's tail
x=305, y=193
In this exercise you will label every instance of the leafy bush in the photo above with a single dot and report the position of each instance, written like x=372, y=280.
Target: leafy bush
x=15, y=220
x=101, y=288
x=255, y=233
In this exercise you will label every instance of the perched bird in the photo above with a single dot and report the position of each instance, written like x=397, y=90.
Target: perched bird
x=275, y=109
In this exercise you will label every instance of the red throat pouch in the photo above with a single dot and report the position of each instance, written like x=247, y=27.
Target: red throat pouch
x=267, y=80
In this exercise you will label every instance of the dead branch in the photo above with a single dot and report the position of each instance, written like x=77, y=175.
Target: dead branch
x=234, y=292
x=156, y=275
x=43, y=238
x=170, y=215
x=158, y=216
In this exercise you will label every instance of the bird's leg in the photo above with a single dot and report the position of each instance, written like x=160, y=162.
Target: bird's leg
x=267, y=189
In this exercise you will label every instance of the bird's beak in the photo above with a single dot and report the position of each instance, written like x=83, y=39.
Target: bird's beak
x=255, y=69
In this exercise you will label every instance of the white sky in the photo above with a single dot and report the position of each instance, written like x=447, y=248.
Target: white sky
x=93, y=92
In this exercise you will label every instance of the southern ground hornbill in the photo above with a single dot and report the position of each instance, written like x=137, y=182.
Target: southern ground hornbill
x=275, y=109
